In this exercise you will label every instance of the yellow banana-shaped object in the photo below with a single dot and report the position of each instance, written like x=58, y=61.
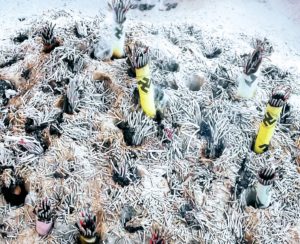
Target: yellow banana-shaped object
x=146, y=91
x=84, y=240
x=267, y=128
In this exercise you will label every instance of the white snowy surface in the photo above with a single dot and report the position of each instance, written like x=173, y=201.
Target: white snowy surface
x=278, y=20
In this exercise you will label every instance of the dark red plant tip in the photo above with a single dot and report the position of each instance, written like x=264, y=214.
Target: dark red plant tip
x=254, y=61
x=267, y=176
x=281, y=92
x=22, y=142
x=169, y=133
x=156, y=239
x=49, y=47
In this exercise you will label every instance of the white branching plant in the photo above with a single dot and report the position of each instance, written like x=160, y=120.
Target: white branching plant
x=7, y=178
x=81, y=29
x=72, y=95
x=214, y=131
x=6, y=155
x=29, y=143
x=142, y=125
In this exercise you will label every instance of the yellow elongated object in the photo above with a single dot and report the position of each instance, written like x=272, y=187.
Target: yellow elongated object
x=267, y=128
x=146, y=91
x=84, y=240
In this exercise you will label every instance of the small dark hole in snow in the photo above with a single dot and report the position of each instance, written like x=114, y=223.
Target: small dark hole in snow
x=128, y=133
x=195, y=83
x=16, y=193
x=213, y=54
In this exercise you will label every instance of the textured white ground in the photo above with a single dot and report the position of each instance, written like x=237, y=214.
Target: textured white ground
x=277, y=20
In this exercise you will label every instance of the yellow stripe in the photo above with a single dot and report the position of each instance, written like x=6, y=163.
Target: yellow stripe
x=146, y=91
x=84, y=240
x=266, y=130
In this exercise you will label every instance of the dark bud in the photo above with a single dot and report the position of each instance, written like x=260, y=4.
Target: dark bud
x=67, y=108
x=266, y=176
x=205, y=130
x=30, y=127
x=136, y=96
x=170, y=6
x=254, y=61
x=26, y=74
x=4, y=86
x=20, y=38
x=122, y=181
x=127, y=215
x=55, y=129
x=128, y=133
x=48, y=38
x=145, y=7
x=214, y=53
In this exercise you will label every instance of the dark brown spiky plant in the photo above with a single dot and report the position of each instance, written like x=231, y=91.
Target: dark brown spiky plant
x=39, y=131
x=87, y=227
x=44, y=214
x=279, y=96
x=254, y=60
x=248, y=80
x=123, y=174
x=157, y=236
x=49, y=40
x=120, y=175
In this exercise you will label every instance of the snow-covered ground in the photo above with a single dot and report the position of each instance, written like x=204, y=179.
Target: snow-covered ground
x=230, y=24
x=278, y=20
